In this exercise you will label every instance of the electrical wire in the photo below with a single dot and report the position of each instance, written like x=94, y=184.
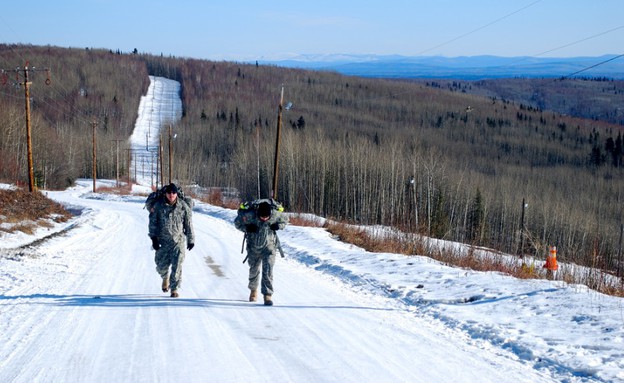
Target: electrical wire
x=479, y=28
x=592, y=66
x=579, y=41
x=57, y=89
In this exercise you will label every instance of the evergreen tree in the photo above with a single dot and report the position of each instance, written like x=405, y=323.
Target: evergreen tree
x=476, y=219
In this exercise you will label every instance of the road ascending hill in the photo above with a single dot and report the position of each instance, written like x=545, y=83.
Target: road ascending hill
x=86, y=306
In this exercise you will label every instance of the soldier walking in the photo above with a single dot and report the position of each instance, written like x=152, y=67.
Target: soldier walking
x=259, y=220
x=170, y=228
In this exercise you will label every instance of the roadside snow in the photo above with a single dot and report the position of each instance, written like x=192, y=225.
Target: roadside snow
x=85, y=306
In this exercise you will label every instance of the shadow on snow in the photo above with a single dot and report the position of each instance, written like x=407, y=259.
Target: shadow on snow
x=145, y=300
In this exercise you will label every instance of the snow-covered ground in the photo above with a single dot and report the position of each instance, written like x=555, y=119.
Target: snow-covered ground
x=158, y=109
x=81, y=302
x=85, y=305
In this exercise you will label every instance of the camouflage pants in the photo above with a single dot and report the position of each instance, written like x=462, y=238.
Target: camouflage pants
x=264, y=259
x=170, y=254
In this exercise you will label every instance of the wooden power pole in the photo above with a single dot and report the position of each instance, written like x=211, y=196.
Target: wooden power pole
x=277, y=145
x=117, y=162
x=94, y=124
x=521, y=250
x=619, y=253
x=31, y=167
x=26, y=70
x=160, y=158
x=129, y=161
x=170, y=153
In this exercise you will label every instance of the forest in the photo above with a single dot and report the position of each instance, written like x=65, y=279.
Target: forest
x=425, y=157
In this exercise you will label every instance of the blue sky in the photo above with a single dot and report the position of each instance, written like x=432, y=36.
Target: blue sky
x=268, y=29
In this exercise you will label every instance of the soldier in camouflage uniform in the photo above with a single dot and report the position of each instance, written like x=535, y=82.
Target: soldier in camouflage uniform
x=260, y=220
x=169, y=224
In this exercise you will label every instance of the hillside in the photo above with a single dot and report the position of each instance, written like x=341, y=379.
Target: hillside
x=464, y=68
x=443, y=163
x=546, y=83
x=599, y=99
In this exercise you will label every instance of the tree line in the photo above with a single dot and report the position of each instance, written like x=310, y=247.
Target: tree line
x=447, y=164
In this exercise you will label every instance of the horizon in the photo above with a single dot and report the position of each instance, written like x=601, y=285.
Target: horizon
x=248, y=31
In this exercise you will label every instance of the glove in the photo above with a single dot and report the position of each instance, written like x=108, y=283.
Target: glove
x=275, y=226
x=155, y=244
x=190, y=246
x=251, y=228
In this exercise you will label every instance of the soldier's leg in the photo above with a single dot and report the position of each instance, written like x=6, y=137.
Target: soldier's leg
x=267, y=272
x=254, y=261
x=162, y=261
x=177, y=258
x=162, y=268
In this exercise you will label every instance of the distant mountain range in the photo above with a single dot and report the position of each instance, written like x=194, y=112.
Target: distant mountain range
x=465, y=67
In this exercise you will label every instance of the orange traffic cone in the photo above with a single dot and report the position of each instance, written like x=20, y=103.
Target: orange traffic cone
x=551, y=260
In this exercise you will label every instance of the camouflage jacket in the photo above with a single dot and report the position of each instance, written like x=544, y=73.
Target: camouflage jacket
x=264, y=237
x=172, y=222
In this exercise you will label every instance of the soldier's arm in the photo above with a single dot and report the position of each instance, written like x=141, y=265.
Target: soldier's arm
x=188, y=225
x=153, y=224
x=281, y=220
x=239, y=222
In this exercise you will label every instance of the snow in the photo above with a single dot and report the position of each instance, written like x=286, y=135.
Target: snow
x=81, y=302
x=160, y=108
x=85, y=305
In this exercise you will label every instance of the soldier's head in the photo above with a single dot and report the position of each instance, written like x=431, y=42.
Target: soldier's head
x=264, y=211
x=171, y=193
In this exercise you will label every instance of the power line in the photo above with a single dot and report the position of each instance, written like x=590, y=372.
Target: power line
x=479, y=28
x=561, y=47
x=57, y=88
x=592, y=66
x=580, y=41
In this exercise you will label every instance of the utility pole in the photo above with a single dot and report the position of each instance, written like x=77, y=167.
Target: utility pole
x=160, y=157
x=258, y=155
x=619, y=252
x=26, y=83
x=94, y=124
x=157, y=160
x=170, y=153
x=152, y=170
x=129, y=171
x=116, y=162
x=524, y=206
x=277, y=145
x=31, y=168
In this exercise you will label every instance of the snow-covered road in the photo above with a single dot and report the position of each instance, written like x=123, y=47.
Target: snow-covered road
x=86, y=306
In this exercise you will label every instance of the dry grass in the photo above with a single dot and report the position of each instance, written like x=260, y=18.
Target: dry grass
x=122, y=190
x=473, y=258
x=25, y=227
x=378, y=243
x=26, y=211
x=216, y=197
x=305, y=220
